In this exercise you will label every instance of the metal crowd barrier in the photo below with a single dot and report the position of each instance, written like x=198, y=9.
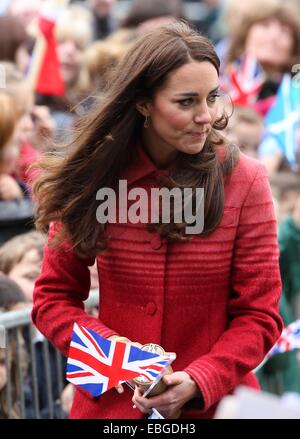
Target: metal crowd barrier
x=11, y=325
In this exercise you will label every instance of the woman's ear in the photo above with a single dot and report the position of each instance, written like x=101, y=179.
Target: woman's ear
x=143, y=107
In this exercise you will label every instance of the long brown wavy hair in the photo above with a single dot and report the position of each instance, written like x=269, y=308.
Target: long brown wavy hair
x=107, y=138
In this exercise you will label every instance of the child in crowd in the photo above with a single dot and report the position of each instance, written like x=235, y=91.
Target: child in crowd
x=14, y=357
x=12, y=297
x=20, y=260
x=245, y=129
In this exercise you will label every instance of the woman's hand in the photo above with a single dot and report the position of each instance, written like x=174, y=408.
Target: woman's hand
x=181, y=388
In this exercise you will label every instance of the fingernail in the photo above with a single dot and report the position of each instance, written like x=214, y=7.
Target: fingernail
x=134, y=406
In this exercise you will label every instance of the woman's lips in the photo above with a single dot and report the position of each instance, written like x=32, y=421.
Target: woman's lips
x=198, y=134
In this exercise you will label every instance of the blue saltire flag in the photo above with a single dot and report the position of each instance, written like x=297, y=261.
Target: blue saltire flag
x=281, y=123
x=97, y=364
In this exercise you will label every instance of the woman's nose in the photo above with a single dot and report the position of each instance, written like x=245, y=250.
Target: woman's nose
x=203, y=115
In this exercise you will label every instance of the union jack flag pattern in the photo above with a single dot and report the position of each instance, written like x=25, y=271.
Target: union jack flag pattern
x=288, y=341
x=97, y=364
x=243, y=81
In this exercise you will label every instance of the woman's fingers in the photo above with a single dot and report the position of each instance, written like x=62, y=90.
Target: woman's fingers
x=138, y=401
x=119, y=388
x=145, y=406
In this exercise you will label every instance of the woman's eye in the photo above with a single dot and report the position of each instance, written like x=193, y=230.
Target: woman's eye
x=213, y=98
x=186, y=102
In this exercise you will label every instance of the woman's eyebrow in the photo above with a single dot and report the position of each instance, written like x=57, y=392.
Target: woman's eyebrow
x=192, y=93
x=187, y=93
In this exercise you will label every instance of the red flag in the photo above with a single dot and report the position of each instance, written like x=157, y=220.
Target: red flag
x=49, y=79
x=44, y=73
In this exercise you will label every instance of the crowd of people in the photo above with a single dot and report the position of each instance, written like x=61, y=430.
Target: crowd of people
x=258, y=43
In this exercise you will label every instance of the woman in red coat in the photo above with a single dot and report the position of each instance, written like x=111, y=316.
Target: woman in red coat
x=208, y=293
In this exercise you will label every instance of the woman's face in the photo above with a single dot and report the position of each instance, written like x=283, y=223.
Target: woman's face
x=70, y=58
x=26, y=271
x=182, y=112
x=271, y=42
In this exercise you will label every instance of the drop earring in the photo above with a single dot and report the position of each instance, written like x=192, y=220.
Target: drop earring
x=146, y=123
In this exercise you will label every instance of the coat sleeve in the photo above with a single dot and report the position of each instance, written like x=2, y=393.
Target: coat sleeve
x=254, y=322
x=59, y=293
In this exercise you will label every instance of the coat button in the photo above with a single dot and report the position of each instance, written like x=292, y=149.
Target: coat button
x=151, y=308
x=156, y=242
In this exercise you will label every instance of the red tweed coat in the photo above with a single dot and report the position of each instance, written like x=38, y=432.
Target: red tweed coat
x=213, y=301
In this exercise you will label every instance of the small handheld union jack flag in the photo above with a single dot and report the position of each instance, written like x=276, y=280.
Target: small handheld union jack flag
x=288, y=341
x=97, y=364
x=243, y=81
